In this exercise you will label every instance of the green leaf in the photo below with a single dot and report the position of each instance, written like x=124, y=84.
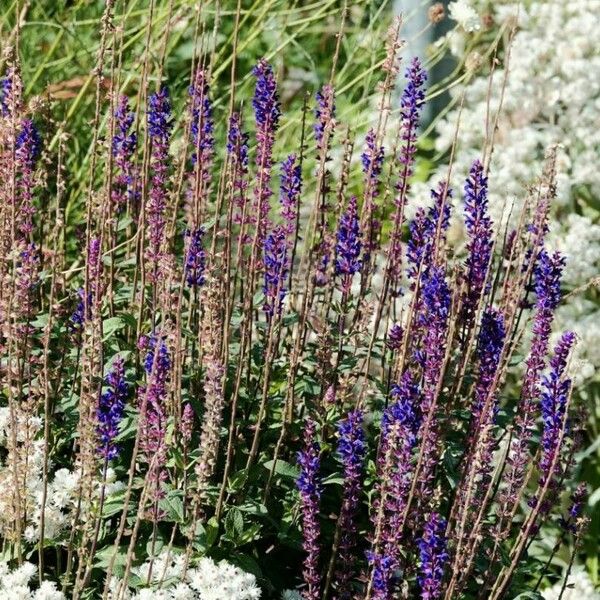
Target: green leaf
x=283, y=468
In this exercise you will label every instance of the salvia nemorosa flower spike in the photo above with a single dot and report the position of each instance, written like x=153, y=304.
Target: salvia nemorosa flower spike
x=195, y=258
x=490, y=343
x=570, y=522
x=399, y=426
x=547, y=276
x=237, y=149
x=309, y=486
x=110, y=410
x=159, y=128
x=187, y=423
x=124, y=144
x=555, y=391
x=479, y=245
x=372, y=160
x=411, y=103
x=153, y=414
x=267, y=113
x=275, y=263
x=424, y=229
x=348, y=245
x=432, y=557
x=324, y=114
x=202, y=128
x=28, y=147
x=351, y=450
x=291, y=187
x=11, y=89
x=395, y=335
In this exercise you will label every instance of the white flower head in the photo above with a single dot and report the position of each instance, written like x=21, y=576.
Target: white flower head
x=465, y=15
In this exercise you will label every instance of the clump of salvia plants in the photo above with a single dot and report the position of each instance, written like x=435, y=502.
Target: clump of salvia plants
x=236, y=369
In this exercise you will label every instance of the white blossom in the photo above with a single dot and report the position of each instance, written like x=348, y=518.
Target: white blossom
x=465, y=15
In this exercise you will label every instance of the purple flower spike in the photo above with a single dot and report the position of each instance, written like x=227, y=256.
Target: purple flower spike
x=195, y=258
x=110, y=410
x=237, y=149
x=547, y=275
x=479, y=246
x=28, y=146
x=351, y=450
x=11, y=89
x=348, y=246
x=291, y=187
x=187, y=423
x=489, y=350
x=372, y=160
x=124, y=143
x=424, y=229
x=555, y=391
x=157, y=365
x=202, y=122
x=267, y=113
x=159, y=129
x=395, y=335
x=275, y=259
x=309, y=486
x=324, y=114
x=383, y=568
x=399, y=427
x=411, y=104
x=432, y=557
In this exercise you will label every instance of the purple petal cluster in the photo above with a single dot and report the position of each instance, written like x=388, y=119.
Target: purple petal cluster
x=424, y=228
x=124, y=144
x=195, y=258
x=159, y=129
x=202, y=126
x=187, y=423
x=372, y=160
x=28, y=146
x=291, y=187
x=432, y=557
x=157, y=365
x=324, y=113
x=351, y=450
x=10, y=92
x=383, y=568
x=309, y=486
x=395, y=335
x=266, y=112
x=547, y=276
x=411, y=104
x=110, y=410
x=479, y=245
x=348, y=246
x=275, y=263
x=237, y=149
x=555, y=391
x=434, y=321
x=399, y=426
x=490, y=344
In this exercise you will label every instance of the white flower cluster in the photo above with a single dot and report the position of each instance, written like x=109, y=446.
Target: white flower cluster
x=579, y=587
x=14, y=585
x=61, y=492
x=465, y=15
x=205, y=581
x=552, y=96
